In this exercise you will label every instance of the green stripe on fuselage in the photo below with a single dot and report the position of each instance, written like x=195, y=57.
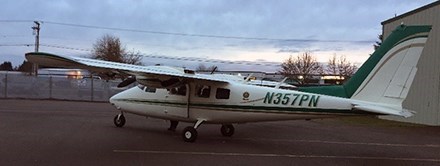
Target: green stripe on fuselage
x=244, y=108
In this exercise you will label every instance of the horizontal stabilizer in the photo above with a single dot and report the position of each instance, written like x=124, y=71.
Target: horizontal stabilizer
x=386, y=110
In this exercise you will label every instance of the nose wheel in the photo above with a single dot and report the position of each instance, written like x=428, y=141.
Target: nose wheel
x=119, y=120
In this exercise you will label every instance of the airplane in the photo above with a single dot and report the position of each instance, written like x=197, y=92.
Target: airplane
x=179, y=95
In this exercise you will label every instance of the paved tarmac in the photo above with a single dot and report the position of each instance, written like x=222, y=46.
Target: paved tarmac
x=42, y=132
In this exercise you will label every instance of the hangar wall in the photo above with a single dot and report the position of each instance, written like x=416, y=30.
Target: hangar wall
x=423, y=96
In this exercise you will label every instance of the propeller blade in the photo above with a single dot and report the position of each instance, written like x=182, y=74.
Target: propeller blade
x=127, y=82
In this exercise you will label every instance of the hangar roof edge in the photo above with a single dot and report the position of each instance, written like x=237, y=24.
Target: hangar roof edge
x=411, y=12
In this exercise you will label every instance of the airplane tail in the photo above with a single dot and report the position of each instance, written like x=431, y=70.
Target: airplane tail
x=386, y=77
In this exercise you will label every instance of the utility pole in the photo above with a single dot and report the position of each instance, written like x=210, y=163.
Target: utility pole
x=36, y=32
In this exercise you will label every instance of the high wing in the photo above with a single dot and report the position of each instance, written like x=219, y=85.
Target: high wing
x=155, y=73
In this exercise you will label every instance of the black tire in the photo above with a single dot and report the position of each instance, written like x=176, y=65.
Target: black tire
x=189, y=134
x=227, y=130
x=119, y=120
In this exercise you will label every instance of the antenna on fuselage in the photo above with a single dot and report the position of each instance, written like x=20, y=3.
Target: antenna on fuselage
x=214, y=69
x=281, y=82
x=248, y=77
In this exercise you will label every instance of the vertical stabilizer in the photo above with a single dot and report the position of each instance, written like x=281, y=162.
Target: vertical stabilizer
x=388, y=73
x=389, y=80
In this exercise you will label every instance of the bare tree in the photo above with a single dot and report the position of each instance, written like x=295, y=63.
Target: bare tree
x=203, y=68
x=346, y=68
x=332, y=66
x=301, y=68
x=109, y=48
x=340, y=66
x=133, y=58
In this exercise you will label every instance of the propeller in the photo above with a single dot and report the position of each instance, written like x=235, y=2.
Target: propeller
x=127, y=82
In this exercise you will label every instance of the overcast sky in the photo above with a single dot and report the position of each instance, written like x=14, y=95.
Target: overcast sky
x=235, y=30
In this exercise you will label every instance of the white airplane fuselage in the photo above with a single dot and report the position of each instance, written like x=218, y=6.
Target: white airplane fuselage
x=229, y=103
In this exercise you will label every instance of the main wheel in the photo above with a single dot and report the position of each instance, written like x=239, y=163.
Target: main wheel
x=189, y=134
x=227, y=130
x=119, y=120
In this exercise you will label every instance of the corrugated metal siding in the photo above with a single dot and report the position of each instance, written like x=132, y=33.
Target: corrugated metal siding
x=425, y=91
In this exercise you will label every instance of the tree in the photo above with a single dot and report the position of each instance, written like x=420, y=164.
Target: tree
x=203, y=68
x=25, y=67
x=378, y=43
x=133, y=58
x=340, y=66
x=109, y=48
x=301, y=68
x=6, y=66
x=332, y=66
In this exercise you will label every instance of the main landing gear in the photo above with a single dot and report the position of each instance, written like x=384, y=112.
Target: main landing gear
x=189, y=134
x=173, y=125
x=119, y=120
x=227, y=130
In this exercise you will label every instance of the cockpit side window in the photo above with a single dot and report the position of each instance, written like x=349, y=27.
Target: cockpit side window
x=140, y=86
x=222, y=93
x=146, y=89
x=203, y=91
x=181, y=90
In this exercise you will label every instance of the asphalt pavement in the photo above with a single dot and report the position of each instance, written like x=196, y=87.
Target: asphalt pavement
x=45, y=132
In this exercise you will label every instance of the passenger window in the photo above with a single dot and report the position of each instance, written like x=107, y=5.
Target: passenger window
x=150, y=90
x=203, y=91
x=222, y=93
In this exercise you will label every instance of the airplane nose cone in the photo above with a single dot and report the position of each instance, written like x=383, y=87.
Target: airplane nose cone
x=112, y=99
x=121, y=95
x=115, y=98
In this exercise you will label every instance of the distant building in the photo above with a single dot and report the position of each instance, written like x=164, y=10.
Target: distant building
x=424, y=96
x=315, y=80
x=67, y=73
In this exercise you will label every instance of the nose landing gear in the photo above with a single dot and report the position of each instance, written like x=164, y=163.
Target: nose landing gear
x=119, y=120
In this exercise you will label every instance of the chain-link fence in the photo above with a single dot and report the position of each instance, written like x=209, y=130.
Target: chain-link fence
x=19, y=85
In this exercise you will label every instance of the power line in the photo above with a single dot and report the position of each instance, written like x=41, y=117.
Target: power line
x=175, y=34
x=13, y=45
x=190, y=34
x=16, y=21
x=200, y=35
x=67, y=48
x=13, y=36
x=192, y=59
x=212, y=60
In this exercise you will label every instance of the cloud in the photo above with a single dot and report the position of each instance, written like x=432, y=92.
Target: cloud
x=296, y=26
